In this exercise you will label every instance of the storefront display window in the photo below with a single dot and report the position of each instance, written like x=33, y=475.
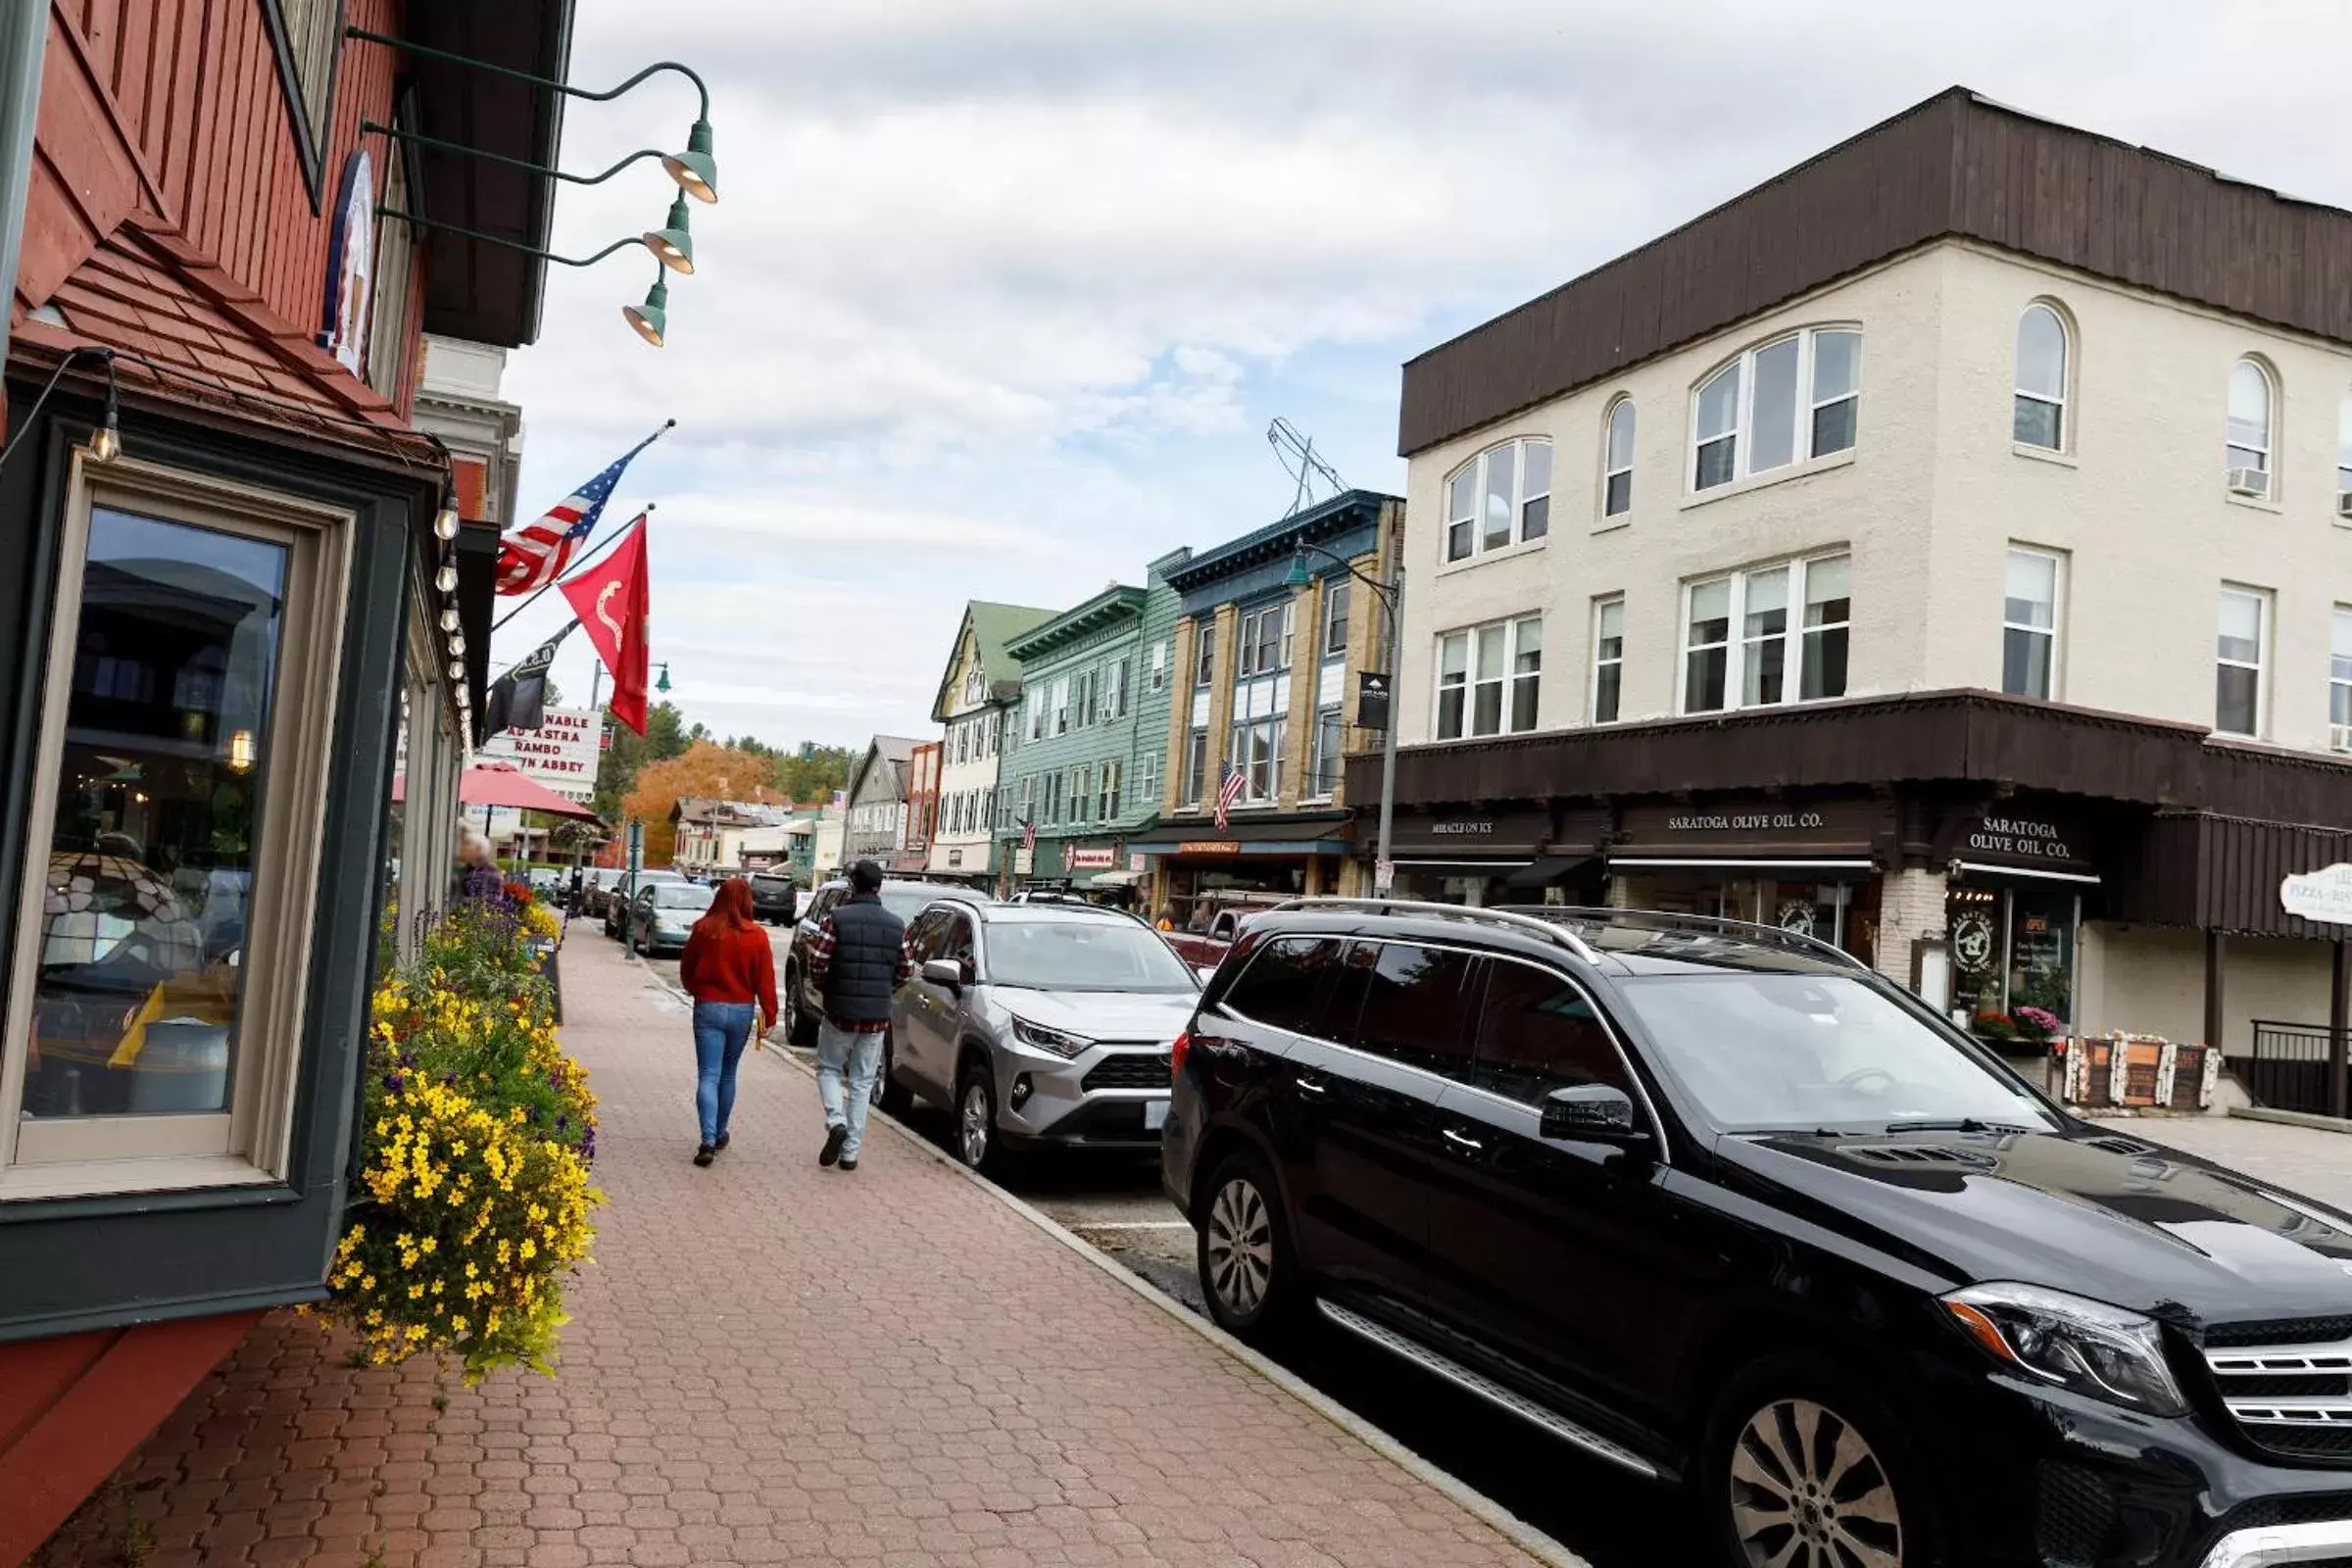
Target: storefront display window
x=178, y=763
x=1843, y=914
x=2013, y=958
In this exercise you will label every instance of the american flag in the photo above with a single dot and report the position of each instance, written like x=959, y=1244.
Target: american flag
x=1229, y=791
x=1028, y=834
x=537, y=553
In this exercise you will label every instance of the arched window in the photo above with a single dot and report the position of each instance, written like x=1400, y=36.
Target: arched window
x=1617, y=461
x=1499, y=498
x=1792, y=400
x=2343, y=451
x=2040, y=416
x=2252, y=398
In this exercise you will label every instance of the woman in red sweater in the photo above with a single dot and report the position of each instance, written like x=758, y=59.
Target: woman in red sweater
x=730, y=972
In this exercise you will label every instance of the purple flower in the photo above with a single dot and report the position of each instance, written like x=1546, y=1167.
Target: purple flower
x=394, y=1082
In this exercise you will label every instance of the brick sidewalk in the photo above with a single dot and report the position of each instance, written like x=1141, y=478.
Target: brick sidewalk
x=774, y=1364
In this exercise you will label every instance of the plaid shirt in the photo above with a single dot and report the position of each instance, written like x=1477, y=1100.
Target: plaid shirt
x=820, y=960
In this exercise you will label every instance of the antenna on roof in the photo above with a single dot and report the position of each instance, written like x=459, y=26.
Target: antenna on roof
x=1297, y=454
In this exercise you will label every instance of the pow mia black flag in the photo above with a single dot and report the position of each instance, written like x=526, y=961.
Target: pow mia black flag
x=518, y=698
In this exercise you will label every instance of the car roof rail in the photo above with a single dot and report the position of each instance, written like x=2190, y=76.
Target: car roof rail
x=1664, y=920
x=1551, y=931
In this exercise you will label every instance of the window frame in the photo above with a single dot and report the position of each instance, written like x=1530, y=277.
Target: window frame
x=1337, y=593
x=1613, y=506
x=1323, y=768
x=1476, y=468
x=2055, y=631
x=298, y=59
x=1193, y=784
x=251, y=1143
x=1509, y=680
x=1204, y=654
x=1793, y=635
x=1160, y=667
x=1804, y=411
x=1600, y=661
x=2272, y=413
x=2062, y=401
x=2265, y=637
x=1255, y=745
x=2343, y=453
x=2339, y=735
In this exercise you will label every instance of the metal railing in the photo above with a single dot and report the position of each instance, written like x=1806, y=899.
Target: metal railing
x=2289, y=1069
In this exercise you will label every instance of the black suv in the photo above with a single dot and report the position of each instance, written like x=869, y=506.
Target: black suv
x=903, y=896
x=776, y=897
x=1717, y=1206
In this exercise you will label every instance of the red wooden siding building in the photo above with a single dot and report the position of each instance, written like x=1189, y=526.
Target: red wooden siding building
x=222, y=591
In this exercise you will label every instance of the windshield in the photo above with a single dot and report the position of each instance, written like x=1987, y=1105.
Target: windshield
x=1816, y=1052
x=907, y=900
x=1084, y=956
x=684, y=895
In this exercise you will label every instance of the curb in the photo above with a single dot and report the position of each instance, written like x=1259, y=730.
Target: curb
x=2291, y=1118
x=1525, y=1537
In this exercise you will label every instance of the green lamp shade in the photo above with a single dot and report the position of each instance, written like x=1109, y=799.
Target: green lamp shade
x=672, y=243
x=651, y=319
x=662, y=684
x=1299, y=576
x=695, y=169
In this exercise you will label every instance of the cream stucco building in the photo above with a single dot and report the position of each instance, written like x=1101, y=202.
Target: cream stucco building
x=1944, y=548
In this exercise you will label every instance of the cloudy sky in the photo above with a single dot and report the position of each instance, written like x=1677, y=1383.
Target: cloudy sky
x=1001, y=294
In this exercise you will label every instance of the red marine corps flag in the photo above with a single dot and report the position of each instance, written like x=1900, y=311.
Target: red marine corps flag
x=613, y=600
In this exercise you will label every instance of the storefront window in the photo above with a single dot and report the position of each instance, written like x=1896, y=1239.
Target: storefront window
x=1843, y=914
x=2013, y=958
x=158, y=991
x=150, y=854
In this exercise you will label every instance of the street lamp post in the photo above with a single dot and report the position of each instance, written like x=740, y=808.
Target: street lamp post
x=1392, y=597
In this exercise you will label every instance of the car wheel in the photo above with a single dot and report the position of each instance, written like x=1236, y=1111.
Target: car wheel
x=976, y=1119
x=1249, y=1273
x=891, y=1094
x=800, y=1025
x=1806, y=1467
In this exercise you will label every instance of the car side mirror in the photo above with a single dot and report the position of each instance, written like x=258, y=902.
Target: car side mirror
x=1592, y=1113
x=944, y=972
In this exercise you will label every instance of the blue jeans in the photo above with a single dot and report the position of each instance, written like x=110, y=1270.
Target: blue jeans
x=720, y=1029
x=840, y=1053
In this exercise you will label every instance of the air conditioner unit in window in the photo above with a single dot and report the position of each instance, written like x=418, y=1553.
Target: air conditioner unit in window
x=2340, y=737
x=2254, y=482
x=2343, y=505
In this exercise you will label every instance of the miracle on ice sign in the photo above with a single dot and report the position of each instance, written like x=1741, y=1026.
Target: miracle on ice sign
x=561, y=753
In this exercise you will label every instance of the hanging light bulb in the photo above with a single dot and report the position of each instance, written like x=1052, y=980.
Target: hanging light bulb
x=456, y=645
x=445, y=521
x=446, y=579
x=457, y=670
x=448, y=619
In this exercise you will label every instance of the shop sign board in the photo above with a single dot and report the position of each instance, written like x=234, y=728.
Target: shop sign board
x=1472, y=834
x=2321, y=896
x=1758, y=823
x=1209, y=847
x=561, y=753
x=1102, y=858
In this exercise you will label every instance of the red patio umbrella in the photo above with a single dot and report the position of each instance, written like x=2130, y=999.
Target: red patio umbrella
x=500, y=784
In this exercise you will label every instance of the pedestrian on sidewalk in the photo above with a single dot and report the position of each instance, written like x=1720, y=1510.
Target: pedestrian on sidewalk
x=858, y=959
x=730, y=972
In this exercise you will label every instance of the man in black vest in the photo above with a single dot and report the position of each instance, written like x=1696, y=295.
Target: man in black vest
x=857, y=959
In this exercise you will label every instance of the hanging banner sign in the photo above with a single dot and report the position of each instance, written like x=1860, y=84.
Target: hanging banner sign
x=2322, y=896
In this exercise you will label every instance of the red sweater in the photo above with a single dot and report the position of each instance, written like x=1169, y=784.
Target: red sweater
x=731, y=966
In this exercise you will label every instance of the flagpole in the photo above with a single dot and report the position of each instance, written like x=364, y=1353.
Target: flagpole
x=587, y=559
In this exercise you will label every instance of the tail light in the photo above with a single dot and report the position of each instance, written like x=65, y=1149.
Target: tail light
x=1178, y=1052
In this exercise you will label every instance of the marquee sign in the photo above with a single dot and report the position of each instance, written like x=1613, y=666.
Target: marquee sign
x=561, y=753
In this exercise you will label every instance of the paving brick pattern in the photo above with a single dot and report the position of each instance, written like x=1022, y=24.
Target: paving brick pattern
x=774, y=1363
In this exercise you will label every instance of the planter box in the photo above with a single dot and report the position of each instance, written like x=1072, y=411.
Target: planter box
x=2125, y=1071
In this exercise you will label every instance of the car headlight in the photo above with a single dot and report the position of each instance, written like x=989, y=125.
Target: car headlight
x=2087, y=1347
x=1061, y=1042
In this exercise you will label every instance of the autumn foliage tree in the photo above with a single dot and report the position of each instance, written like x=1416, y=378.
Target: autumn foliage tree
x=706, y=770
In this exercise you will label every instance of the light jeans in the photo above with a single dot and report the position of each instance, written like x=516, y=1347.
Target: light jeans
x=860, y=1055
x=720, y=1029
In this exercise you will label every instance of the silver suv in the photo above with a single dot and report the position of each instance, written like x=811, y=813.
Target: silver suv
x=1038, y=1024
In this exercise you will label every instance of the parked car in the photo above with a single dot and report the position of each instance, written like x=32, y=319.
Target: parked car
x=776, y=897
x=1038, y=1024
x=600, y=881
x=616, y=907
x=661, y=916
x=1228, y=915
x=1715, y=1204
x=903, y=896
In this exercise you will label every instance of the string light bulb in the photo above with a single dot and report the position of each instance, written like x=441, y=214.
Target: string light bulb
x=446, y=579
x=457, y=670
x=449, y=618
x=456, y=645
x=445, y=521
x=105, y=442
